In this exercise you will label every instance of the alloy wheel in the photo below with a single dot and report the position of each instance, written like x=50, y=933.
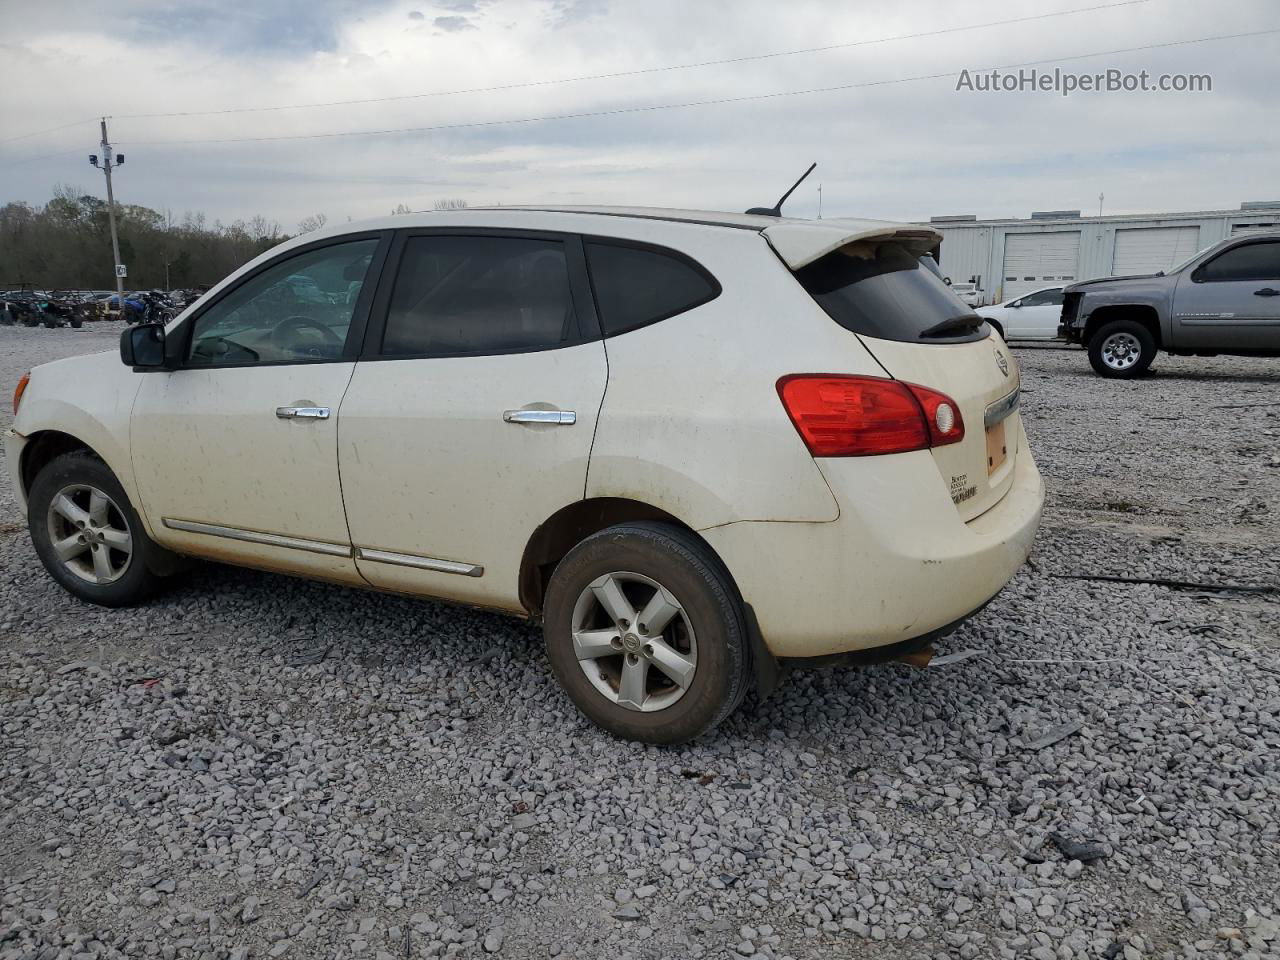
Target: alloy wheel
x=89, y=534
x=634, y=641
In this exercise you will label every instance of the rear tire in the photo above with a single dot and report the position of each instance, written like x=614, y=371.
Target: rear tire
x=87, y=534
x=1121, y=350
x=666, y=681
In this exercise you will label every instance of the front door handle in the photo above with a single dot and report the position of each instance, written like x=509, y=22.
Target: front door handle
x=302, y=413
x=1267, y=292
x=562, y=418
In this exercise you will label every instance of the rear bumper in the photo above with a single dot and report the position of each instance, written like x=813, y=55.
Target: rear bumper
x=899, y=563
x=14, y=443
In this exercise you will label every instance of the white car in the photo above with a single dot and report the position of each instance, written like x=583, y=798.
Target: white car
x=1033, y=316
x=969, y=293
x=694, y=445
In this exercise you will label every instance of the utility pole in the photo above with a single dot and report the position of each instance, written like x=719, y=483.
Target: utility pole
x=819, y=201
x=109, y=160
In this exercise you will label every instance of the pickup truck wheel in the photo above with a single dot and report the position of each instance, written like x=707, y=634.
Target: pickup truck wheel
x=1121, y=350
x=645, y=631
x=88, y=535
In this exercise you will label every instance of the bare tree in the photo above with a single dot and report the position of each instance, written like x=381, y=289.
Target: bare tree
x=313, y=222
x=451, y=203
x=400, y=210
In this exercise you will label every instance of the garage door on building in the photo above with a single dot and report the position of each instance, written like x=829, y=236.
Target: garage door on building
x=1245, y=229
x=1034, y=260
x=1146, y=250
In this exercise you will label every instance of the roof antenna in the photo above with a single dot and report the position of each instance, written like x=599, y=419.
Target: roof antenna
x=776, y=209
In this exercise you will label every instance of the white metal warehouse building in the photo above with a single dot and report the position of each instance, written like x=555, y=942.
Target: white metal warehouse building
x=1008, y=258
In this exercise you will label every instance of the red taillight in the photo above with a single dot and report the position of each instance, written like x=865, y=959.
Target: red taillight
x=19, y=390
x=940, y=413
x=848, y=416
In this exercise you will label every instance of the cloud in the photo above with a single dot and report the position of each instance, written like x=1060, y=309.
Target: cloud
x=415, y=15
x=567, y=12
x=894, y=150
x=453, y=24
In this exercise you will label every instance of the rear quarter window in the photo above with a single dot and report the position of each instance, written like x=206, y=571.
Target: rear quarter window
x=638, y=285
x=881, y=290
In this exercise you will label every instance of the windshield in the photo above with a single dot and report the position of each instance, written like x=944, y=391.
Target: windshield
x=880, y=289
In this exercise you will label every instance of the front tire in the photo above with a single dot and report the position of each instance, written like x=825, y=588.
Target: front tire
x=645, y=631
x=88, y=535
x=1122, y=350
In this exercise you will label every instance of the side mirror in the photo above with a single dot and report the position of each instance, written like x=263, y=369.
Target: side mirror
x=1016, y=303
x=142, y=347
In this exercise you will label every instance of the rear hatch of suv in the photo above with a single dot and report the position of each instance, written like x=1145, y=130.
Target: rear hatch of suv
x=874, y=285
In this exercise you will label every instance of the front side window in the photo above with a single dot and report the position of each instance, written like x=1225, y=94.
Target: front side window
x=479, y=294
x=1253, y=261
x=295, y=311
x=635, y=286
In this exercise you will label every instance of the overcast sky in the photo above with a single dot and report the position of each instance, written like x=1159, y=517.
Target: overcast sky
x=899, y=151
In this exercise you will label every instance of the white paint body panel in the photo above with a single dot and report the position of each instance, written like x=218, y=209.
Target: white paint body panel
x=431, y=468
x=692, y=421
x=87, y=397
x=900, y=561
x=208, y=447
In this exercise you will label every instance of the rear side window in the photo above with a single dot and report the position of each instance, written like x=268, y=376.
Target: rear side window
x=635, y=286
x=1253, y=261
x=478, y=294
x=881, y=290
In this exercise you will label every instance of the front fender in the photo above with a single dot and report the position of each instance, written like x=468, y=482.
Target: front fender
x=89, y=398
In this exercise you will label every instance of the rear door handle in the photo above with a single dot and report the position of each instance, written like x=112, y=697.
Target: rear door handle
x=302, y=413
x=562, y=418
x=1267, y=292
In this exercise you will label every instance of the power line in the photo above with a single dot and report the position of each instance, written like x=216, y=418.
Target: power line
x=43, y=156
x=36, y=133
x=649, y=108
x=632, y=73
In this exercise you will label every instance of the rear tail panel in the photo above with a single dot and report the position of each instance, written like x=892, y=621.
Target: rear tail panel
x=983, y=379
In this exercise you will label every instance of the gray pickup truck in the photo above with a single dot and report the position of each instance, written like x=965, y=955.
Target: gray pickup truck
x=1224, y=300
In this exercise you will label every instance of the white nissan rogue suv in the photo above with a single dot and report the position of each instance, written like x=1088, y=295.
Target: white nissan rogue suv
x=695, y=445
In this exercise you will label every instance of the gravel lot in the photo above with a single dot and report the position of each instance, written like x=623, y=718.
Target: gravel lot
x=255, y=766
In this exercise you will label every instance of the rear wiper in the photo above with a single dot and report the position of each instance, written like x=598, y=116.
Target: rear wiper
x=963, y=324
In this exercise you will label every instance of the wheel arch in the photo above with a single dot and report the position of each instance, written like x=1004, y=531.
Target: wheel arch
x=1144, y=314
x=43, y=447
x=568, y=527
x=572, y=524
